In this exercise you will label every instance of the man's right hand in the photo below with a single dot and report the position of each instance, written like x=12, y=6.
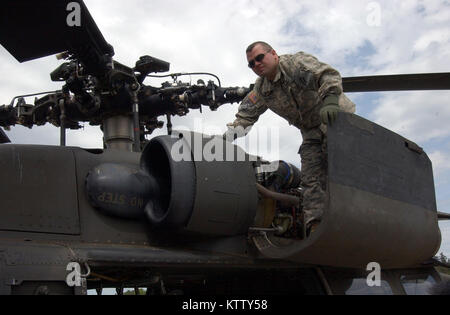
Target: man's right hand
x=235, y=132
x=230, y=134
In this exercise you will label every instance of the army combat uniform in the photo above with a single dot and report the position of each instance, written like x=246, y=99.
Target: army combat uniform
x=301, y=84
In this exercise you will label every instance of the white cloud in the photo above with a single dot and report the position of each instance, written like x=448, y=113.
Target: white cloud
x=441, y=171
x=444, y=226
x=441, y=161
x=433, y=36
x=419, y=116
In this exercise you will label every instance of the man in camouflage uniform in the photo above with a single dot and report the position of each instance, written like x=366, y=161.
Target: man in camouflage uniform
x=308, y=94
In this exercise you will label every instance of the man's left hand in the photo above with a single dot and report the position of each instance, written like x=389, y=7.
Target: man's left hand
x=328, y=112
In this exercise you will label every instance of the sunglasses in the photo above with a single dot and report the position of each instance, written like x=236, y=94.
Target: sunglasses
x=259, y=58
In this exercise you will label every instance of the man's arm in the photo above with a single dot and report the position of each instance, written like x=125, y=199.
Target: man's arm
x=249, y=111
x=328, y=79
x=328, y=82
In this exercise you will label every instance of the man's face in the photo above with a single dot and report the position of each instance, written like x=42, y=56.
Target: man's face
x=267, y=67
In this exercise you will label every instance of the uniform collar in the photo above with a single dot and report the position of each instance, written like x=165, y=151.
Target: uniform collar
x=280, y=72
x=268, y=86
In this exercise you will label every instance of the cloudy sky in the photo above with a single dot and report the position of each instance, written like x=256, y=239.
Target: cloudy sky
x=357, y=37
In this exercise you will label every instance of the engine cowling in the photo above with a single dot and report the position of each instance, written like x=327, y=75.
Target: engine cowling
x=207, y=185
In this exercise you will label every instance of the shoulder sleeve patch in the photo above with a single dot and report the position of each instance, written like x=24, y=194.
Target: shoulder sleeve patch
x=253, y=97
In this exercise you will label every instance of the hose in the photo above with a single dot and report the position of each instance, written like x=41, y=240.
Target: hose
x=286, y=200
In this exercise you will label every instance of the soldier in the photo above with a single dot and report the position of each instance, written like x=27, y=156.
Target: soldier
x=308, y=94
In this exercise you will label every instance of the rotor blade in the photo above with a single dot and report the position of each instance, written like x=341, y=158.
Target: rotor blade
x=35, y=29
x=443, y=216
x=399, y=82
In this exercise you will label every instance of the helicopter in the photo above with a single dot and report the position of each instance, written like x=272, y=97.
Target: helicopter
x=134, y=214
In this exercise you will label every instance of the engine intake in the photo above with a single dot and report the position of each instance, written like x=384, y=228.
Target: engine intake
x=206, y=185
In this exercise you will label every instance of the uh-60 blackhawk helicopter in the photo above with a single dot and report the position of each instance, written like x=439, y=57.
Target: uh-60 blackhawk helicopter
x=131, y=214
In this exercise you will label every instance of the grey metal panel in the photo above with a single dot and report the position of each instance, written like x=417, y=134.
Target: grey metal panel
x=96, y=226
x=370, y=227
x=29, y=264
x=368, y=217
x=32, y=254
x=369, y=157
x=226, y=196
x=392, y=233
x=151, y=255
x=38, y=191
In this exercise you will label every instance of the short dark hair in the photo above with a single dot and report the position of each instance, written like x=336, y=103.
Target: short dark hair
x=264, y=44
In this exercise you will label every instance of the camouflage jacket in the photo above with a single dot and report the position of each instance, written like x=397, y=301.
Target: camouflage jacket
x=296, y=94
